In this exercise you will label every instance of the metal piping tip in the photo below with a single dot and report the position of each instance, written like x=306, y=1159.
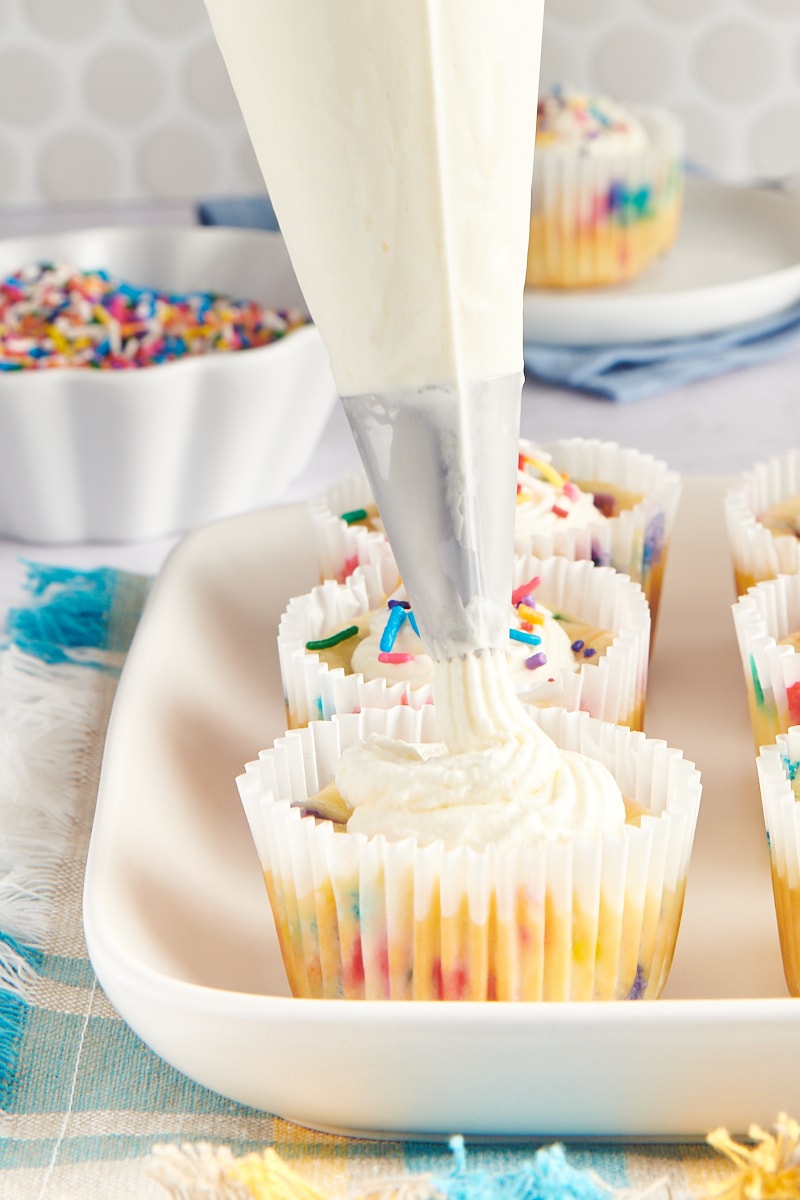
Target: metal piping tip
x=441, y=461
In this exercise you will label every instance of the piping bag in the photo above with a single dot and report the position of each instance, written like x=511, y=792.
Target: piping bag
x=441, y=461
x=396, y=141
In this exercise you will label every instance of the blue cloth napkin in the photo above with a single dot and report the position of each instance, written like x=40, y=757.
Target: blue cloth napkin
x=247, y=212
x=620, y=372
x=626, y=372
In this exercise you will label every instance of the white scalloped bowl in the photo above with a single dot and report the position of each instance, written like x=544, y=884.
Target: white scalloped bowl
x=122, y=456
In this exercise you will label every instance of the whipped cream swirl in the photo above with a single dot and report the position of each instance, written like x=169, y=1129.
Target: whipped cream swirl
x=546, y=499
x=495, y=779
x=409, y=661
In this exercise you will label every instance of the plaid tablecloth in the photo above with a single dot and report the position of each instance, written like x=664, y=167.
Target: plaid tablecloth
x=84, y=1102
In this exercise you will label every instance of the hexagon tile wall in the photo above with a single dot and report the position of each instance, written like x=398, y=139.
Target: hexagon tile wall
x=104, y=100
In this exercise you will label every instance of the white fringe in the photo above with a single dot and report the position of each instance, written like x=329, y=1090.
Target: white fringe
x=16, y=973
x=195, y=1172
x=52, y=718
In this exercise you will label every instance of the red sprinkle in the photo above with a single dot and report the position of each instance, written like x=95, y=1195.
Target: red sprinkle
x=793, y=700
x=387, y=657
x=524, y=589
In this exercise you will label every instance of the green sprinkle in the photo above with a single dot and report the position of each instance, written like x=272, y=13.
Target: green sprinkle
x=334, y=639
x=757, y=688
x=355, y=514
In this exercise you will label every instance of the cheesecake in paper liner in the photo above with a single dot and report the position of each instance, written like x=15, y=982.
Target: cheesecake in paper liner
x=558, y=919
x=762, y=517
x=767, y=622
x=601, y=667
x=779, y=780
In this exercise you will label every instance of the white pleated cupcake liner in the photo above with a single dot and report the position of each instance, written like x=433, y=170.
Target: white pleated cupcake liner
x=577, y=237
x=311, y=690
x=636, y=542
x=778, y=776
x=341, y=547
x=366, y=918
x=756, y=553
x=612, y=688
x=769, y=611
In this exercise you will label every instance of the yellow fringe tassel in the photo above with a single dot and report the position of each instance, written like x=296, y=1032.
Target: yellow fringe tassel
x=770, y=1170
x=268, y=1177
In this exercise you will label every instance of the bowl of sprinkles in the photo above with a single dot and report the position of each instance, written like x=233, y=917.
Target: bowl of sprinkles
x=151, y=380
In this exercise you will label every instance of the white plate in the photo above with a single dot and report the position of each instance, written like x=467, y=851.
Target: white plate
x=737, y=258
x=180, y=934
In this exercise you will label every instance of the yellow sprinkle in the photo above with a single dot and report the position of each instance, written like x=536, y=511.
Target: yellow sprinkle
x=530, y=615
x=57, y=338
x=549, y=472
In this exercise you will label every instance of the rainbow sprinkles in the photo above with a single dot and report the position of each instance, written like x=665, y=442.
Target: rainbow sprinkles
x=56, y=315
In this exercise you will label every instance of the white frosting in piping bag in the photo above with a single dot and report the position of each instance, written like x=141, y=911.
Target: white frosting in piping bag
x=396, y=139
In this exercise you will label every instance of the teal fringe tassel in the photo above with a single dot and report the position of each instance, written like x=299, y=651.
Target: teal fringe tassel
x=13, y=1013
x=547, y=1176
x=70, y=612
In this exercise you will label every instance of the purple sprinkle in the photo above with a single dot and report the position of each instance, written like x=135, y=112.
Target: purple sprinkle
x=589, y=652
x=639, y=985
x=536, y=660
x=398, y=604
x=577, y=646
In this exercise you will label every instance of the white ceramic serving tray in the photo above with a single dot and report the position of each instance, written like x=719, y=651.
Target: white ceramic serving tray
x=736, y=259
x=181, y=936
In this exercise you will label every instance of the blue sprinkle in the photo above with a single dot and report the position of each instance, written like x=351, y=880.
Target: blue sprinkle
x=792, y=767
x=654, y=538
x=397, y=614
x=616, y=196
x=522, y=635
